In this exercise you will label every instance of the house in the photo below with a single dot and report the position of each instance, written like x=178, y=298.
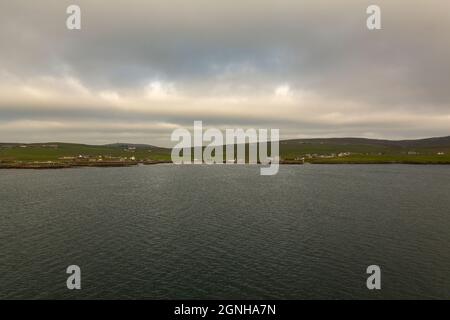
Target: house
x=343, y=154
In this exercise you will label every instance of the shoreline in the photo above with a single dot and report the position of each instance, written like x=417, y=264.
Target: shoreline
x=61, y=165
x=65, y=165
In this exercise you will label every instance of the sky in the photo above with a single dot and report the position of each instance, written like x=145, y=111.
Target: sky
x=137, y=70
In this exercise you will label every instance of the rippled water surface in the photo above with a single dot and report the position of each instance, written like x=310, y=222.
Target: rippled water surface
x=168, y=231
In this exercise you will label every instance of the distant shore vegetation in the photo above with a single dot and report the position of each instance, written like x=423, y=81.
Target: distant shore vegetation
x=299, y=151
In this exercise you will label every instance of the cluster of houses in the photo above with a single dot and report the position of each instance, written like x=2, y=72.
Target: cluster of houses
x=84, y=158
x=414, y=153
x=53, y=146
x=332, y=155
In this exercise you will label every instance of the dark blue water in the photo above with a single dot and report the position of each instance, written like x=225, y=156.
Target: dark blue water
x=178, y=232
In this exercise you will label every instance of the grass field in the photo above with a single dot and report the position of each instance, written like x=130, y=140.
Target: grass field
x=56, y=151
x=338, y=150
x=354, y=150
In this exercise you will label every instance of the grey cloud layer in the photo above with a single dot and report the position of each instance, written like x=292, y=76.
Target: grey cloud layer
x=341, y=78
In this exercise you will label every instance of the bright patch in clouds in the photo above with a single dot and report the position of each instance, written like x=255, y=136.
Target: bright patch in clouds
x=160, y=90
x=283, y=91
x=109, y=96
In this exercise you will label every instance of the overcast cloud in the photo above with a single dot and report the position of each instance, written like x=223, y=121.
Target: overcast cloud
x=139, y=69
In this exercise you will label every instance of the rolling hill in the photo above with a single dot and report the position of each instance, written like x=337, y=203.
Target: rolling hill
x=329, y=150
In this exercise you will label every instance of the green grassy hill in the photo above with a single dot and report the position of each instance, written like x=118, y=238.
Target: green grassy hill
x=55, y=151
x=359, y=150
x=333, y=150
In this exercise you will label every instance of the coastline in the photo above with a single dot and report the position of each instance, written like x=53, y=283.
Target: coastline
x=66, y=165
x=62, y=165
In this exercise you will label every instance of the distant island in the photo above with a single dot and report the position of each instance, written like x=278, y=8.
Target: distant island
x=298, y=151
